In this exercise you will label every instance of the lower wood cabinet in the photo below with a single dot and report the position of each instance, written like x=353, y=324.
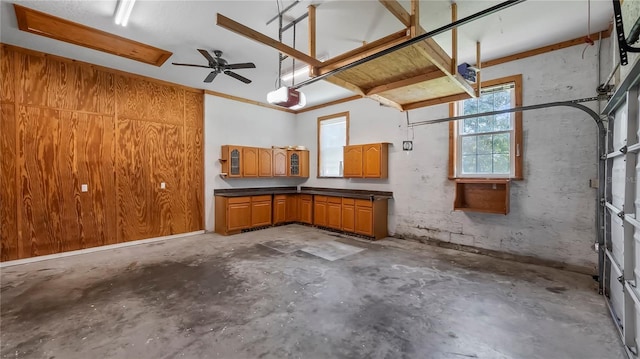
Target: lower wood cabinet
x=320, y=210
x=260, y=211
x=280, y=209
x=348, y=215
x=293, y=208
x=306, y=208
x=334, y=212
x=367, y=217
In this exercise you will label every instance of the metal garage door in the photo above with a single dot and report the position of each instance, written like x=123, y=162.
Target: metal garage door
x=622, y=230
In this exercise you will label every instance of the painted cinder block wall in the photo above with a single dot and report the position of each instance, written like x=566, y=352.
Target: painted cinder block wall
x=552, y=210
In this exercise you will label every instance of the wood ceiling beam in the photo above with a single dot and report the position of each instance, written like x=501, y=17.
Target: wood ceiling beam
x=312, y=30
x=398, y=11
x=387, y=102
x=363, y=51
x=247, y=32
x=415, y=27
x=436, y=101
x=406, y=82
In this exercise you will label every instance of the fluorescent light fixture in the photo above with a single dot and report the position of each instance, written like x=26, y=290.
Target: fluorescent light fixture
x=287, y=97
x=290, y=75
x=123, y=11
x=301, y=71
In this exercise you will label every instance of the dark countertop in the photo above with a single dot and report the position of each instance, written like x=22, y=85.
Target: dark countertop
x=336, y=192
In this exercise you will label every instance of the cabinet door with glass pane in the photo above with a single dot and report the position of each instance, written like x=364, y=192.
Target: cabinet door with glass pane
x=231, y=161
x=293, y=163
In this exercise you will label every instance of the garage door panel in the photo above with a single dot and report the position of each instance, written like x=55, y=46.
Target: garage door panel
x=616, y=293
x=620, y=129
x=617, y=240
x=618, y=182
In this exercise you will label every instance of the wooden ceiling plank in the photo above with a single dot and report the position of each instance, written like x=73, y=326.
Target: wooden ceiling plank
x=398, y=11
x=43, y=24
x=406, y=82
x=247, y=32
x=363, y=51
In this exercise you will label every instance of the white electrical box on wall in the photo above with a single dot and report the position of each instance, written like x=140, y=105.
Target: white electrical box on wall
x=84, y=187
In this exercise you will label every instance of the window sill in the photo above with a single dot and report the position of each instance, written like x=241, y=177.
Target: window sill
x=482, y=195
x=486, y=178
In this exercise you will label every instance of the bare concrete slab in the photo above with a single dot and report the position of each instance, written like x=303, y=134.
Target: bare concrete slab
x=243, y=296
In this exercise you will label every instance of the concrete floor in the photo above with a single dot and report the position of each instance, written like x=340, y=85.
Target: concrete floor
x=298, y=292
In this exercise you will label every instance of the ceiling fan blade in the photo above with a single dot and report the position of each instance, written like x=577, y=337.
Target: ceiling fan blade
x=238, y=77
x=192, y=65
x=208, y=56
x=211, y=76
x=245, y=65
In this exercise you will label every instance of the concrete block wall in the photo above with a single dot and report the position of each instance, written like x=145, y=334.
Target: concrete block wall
x=552, y=211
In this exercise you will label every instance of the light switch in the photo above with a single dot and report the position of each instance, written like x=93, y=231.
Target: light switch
x=84, y=187
x=163, y=185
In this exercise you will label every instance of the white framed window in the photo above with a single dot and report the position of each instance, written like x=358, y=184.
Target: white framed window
x=488, y=146
x=333, y=135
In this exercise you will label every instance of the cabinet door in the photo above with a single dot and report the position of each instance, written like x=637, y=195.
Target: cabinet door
x=279, y=209
x=293, y=163
x=352, y=161
x=348, y=218
x=306, y=211
x=364, y=219
x=279, y=162
x=320, y=210
x=239, y=215
x=292, y=208
x=265, y=162
x=232, y=161
x=250, y=162
x=260, y=211
x=304, y=163
x=334, y=213
x=372, y=154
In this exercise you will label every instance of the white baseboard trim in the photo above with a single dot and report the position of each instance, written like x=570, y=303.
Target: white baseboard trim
x=95, y=249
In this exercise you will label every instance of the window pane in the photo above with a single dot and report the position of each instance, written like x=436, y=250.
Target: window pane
x=501, y=163
x=469, y=145
x=470, y=125
x=501, y=143
x=485, y=124
x=332, y=136
x=503, y=122
x=485, y=145
x=485, y=164
x=469, y=164
x=502, y=100
x=470, y=106
x=485, y=103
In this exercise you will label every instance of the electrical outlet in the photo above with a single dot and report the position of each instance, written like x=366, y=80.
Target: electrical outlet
x=84, y=187
x=163, y=185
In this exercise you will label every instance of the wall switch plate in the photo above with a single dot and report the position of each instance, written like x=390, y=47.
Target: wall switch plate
x=84, y=187
x=163, y=185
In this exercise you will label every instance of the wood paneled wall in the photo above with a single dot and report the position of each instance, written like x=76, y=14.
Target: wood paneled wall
x=65, y=124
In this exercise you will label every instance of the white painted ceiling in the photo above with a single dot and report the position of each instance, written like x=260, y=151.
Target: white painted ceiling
x=183, y=26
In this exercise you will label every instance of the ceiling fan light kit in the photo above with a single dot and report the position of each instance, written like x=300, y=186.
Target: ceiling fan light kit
x=287, y=97
x=219, y=65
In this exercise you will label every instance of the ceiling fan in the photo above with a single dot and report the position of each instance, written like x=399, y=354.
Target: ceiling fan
x=220, y=65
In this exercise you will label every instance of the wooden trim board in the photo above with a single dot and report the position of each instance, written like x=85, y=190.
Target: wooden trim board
x=246, y=100
x=330, y=103
x=43, y=24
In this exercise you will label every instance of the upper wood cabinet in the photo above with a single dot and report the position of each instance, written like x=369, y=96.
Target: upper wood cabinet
x=279, y=162
x=298, y=163
x=352, y=161
x=250, y=159
x=231, y=161
x=265, y=162
x=366, y=161
x=241, y=161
